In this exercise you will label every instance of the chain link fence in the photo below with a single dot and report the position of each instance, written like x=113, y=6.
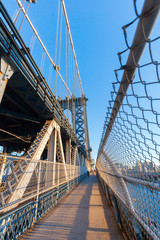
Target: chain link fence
x=48, y=183
x=43, y=176
x=129, y=152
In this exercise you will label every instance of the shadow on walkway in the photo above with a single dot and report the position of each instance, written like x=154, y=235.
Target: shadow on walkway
x=84, y=214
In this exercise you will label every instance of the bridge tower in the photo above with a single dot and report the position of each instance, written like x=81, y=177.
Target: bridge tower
x=77, y=107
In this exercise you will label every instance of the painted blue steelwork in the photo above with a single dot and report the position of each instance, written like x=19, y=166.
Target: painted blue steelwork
x=14, y=223
x=126, y=220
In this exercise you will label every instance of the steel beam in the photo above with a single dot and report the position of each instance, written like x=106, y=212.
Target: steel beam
x=146, y=23
x=6, y=71
x=20, y=116
x=68, y=151
x=39, y=82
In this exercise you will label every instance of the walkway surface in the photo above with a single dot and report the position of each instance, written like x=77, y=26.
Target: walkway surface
x=83, y=215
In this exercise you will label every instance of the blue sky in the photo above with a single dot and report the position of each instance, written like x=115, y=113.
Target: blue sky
x=96, y=28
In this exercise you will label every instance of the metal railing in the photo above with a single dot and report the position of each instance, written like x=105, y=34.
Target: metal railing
x=48, y=184
x=129, y=152
x=44, y=177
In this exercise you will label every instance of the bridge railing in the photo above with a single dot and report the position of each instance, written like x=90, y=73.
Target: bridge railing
x=43, y=174
x=49, y=182
x=129, y=152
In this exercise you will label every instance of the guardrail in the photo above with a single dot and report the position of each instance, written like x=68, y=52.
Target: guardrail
x=44, y=177
x=49, y=183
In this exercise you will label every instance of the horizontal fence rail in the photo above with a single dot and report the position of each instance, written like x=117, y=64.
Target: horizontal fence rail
x=128, y=158
x=49, y=182
x=44, y=176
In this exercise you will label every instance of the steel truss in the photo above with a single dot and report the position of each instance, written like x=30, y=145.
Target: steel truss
x=77, y=107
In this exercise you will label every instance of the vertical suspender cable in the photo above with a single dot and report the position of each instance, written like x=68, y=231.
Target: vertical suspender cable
x=71, y=41
x=55, y=57
x=24, y=16
x=44, y=48
x=66, y=58
x=31, y=46
x=20, y=9
x=60, y=40
x=74, y=76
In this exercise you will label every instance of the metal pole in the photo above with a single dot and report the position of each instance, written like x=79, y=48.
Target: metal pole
x=24, y=16
x=146, y=23
x=144, y=183
x=121, y=181
x=19, y=12
x=58, y=181
x=2, y=164
x=38, y=187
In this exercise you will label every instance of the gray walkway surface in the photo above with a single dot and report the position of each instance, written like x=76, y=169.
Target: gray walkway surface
x=83, y=214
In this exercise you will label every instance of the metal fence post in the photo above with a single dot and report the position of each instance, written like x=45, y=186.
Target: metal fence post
x=38, y=187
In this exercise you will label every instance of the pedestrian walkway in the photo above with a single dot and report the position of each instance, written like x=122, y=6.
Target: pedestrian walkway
x=83, y=215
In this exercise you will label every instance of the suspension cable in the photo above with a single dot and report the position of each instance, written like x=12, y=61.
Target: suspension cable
x=66, y=57
x=60, y=40
x=24, y=16
x=34, y=30
x=55, y=57
x=31, y=46
x=20, y=9
x=71, y=41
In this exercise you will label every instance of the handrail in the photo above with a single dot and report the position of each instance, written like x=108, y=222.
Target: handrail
x=149, y=15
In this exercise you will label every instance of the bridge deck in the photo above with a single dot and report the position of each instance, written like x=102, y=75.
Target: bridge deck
x=84, y=214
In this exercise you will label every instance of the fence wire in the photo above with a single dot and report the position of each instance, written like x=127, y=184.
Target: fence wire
x=48, y=183
x=43, y=177
x=129, y=151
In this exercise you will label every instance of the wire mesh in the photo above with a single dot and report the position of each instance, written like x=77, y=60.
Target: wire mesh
x=129, y=152
x=44, y=176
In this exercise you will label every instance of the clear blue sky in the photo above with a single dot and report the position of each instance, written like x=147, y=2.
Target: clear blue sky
x=96, y=28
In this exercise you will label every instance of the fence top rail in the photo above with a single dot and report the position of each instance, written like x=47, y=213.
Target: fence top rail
x=148, y=15
x=148, y=230
x=33, y=196
x=9, y=158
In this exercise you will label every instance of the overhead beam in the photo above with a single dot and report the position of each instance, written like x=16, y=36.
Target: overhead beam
x=9, y=97
x=5, y=73
x=15, y=115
